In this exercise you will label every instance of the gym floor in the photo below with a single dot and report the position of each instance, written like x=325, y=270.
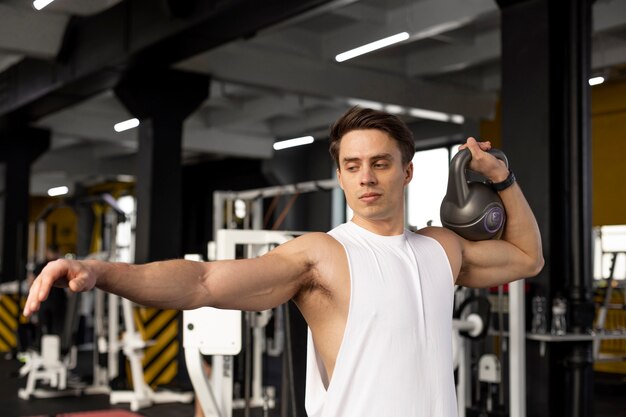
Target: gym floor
x=12, y=406
x=609, y=401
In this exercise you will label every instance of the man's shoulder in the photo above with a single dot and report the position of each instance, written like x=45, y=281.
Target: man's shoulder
x=440, y=234
x=319, y=249
x=451, y=243
x=316, y=240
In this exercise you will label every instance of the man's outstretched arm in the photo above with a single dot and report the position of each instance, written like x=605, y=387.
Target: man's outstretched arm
x=247, y=284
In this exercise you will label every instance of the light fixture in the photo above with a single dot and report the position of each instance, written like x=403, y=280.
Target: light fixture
x=394, y=109
x=368, y=104
x=437, y=115
x=290, y=143
x=57, y=191
x=457, y=118
x=372, y=46
x=412, y=111
x=125, y=125
x=40, y=4
x=429, y=114
x=596, y=80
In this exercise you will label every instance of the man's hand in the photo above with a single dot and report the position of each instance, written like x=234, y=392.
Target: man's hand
x=483, y=162
x=60, y=273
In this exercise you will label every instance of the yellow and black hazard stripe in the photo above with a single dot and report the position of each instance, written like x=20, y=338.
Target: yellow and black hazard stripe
x=9, y=313
x=160, y=329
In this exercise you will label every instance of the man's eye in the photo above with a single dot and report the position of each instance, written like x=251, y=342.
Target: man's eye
x=352, y=168
x=380, y=165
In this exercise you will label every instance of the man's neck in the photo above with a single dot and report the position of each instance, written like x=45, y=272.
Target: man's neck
x=390, y=227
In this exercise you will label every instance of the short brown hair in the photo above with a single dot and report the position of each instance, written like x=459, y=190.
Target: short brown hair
x=362, y=118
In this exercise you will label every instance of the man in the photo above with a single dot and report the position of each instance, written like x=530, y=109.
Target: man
x=377, y=298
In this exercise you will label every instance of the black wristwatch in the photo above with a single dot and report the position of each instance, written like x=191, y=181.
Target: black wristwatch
x=503, y=185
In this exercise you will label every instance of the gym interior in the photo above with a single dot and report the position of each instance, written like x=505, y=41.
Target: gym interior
x=138, y=131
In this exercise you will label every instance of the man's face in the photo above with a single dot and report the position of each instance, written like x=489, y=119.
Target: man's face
x=372, y=175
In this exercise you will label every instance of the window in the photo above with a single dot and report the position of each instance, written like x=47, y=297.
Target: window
x=609, y=246
x=428, y=187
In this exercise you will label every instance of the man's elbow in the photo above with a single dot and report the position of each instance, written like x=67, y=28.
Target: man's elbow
x=535, y=265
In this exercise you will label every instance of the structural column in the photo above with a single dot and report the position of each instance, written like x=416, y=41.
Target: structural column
x=161, y=100
x=545, y=122
x=19, y=148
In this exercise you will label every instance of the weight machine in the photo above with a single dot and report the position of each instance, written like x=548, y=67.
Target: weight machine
x=58, y=355
x=209, y=331
x=217, y=332
x=50, y=366
x=471, y=325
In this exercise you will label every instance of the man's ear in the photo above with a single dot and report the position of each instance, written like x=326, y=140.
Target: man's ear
x=338, y=171
x=409, y=173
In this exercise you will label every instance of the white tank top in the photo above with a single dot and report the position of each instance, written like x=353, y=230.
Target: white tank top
x=395, y=358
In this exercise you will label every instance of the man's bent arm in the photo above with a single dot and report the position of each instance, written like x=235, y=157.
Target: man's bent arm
x=488, y=263
x=517, y=255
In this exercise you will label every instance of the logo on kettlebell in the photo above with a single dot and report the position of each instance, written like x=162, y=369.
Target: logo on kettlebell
x=493, y=219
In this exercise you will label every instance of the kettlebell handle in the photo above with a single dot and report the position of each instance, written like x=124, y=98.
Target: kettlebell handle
x=457, y=181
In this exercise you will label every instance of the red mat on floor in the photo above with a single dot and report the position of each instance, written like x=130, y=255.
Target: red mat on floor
x=101, y=413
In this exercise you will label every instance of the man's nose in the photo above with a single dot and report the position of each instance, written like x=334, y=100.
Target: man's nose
x=367, y=177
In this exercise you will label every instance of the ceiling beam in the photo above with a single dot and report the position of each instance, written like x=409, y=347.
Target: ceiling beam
x=607, y=16
x=454, y=57
x=243, y=63
x=253, y=111
x=7, y=60
x=422, y=19
x=99, y=48
x=360, y=11
x=225, y=143
x=81, y=123
x=24, y=31
x=310, y=123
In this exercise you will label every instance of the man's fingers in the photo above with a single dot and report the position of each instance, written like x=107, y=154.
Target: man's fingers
x=40, y=289
x=474, y=147
x=471, y=141
x=77, y=284
x=46, y=280
x=484, y=146
x=32, y=303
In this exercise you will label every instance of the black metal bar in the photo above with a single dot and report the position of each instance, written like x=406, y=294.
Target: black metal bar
x=97, y=50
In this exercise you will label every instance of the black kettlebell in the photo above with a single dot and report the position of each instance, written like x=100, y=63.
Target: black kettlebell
x=471, y=207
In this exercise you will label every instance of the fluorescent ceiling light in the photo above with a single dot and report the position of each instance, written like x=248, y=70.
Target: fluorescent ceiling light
x=394, y=109
x=381, y=43
x=415, y=112
x=57, y=191
x=290, y=143
x=374, y=105
x=40, y=4
x=437, y=115
x=457, y=118
x=596, y=80
x=125, y=125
